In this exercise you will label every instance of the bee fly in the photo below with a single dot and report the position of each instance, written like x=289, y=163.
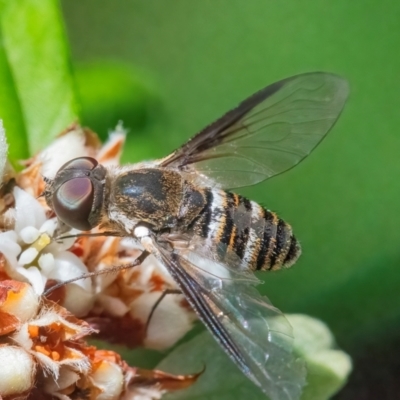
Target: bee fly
x=209, y=239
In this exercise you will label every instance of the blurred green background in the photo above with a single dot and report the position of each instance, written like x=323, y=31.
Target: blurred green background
x=168, y=68
x=193, y=60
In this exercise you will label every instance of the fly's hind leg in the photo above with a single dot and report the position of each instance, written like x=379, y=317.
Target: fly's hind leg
x=157, y=303
x=144, y=235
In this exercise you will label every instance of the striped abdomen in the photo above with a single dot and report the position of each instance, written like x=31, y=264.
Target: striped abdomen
x=258, y=237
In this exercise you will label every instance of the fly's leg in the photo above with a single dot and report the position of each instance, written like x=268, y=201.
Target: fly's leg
x=143, y=234
x=156, y=304
x=96, y=234
x=117, y=268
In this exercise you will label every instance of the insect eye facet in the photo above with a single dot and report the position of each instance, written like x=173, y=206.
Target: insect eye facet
x=73, y=201
x=81, y=163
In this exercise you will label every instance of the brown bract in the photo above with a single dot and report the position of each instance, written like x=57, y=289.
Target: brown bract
x=61, y=362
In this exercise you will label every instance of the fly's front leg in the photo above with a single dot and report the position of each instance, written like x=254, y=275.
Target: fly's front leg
x=138, y=261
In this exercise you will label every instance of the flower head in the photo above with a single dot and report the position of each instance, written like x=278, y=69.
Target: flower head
x=45, y=337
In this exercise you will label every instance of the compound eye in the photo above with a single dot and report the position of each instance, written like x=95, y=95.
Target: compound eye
x=81, y=163
x=72, y=202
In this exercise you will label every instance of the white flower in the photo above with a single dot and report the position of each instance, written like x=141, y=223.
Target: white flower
x=43, y=343
x=144, y=285
x=34, y=256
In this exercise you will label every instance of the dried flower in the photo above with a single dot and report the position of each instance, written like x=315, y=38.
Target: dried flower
x=43, y=340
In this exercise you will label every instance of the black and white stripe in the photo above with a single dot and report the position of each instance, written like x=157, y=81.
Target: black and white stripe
x=232, y=223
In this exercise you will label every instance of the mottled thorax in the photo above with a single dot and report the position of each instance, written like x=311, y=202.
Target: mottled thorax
x=149, y=195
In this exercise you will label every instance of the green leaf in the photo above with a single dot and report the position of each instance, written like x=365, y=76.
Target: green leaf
x=111, y=92
x=3, y=151
x=39, y=100
x=327, y=368
x=222, y=380
x=10, y=111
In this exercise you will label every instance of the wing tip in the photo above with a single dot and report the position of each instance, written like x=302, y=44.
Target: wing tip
x=341, y=84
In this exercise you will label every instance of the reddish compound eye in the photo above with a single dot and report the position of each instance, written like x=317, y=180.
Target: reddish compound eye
x=73, y=202
x=81, y=163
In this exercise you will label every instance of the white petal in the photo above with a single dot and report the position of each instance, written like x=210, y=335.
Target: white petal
x=112, y=305
x=46, y=263
x=64, y=244
x=66, y=379
x=63, y=149
x=3, y=150
x=9, y=247
x=19, y=374
x=146, y=271
x=147, y=268
x=77, y=300
x=29, y=212
x=155, y=265
x=67, y=266
x=34, y=277
x=104, y=280
x=28, y=256
x=29, y=234
x=49, y=226
x=162, y=332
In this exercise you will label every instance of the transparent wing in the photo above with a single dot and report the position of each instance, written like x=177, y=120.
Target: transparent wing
x=255, y=335
x=268, y=133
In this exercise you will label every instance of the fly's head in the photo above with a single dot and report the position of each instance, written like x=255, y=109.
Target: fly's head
x=76, y=194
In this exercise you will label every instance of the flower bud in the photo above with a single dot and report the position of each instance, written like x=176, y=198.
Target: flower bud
x=108, y=377
x=18, y=371
x=20, y=300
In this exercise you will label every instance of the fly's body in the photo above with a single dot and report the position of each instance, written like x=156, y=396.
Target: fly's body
x=228, y=223
x=182, y=211
x=260, y=239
